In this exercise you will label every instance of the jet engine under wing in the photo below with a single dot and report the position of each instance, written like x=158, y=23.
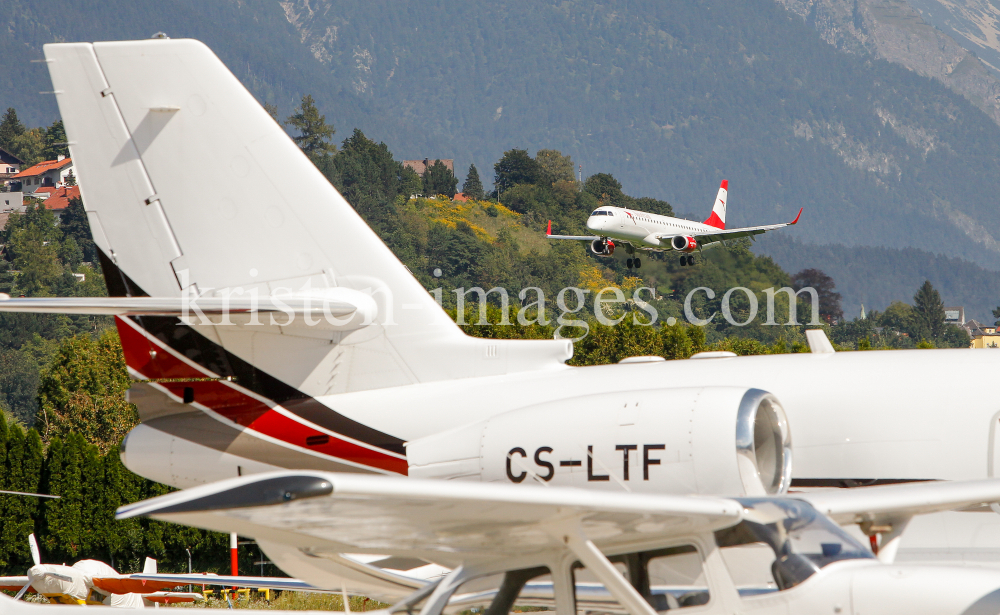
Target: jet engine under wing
x=447, y=522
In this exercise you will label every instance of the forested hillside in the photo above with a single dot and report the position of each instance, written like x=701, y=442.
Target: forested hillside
x=668, y=97
x=895, y=272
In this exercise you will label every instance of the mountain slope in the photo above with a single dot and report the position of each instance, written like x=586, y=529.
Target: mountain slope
x=669, y=97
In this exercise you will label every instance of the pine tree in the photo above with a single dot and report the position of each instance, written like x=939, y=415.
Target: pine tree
x=10, y=128
x=473, y=187
x=314, y=133
x=438, y=179
x=928, y=312
x=55, y=141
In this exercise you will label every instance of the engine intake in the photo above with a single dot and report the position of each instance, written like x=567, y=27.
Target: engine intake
x=709, y=440
x=602, y=247
x=683, y=243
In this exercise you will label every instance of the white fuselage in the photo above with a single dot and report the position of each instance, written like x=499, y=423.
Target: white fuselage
x=642, y=229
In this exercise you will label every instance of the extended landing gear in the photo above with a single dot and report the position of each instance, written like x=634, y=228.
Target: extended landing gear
x=687, y=260
x=633, y=262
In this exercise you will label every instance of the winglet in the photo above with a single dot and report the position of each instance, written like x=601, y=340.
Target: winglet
x=548, y=231
x=725, y=184
x=797, y=217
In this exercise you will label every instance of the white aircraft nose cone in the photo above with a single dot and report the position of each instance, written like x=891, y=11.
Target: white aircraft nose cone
x=593, y=224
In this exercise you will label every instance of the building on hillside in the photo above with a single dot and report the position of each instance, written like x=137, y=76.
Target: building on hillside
x=59, y=199
x=954, y=315
x=460, y=196
x=48, y=174
x=983, y=336
x=10, y=165
x=422, y=165
x=10, y=203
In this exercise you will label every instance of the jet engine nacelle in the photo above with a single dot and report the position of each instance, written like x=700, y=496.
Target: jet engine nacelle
x=602, y=247
x=683, y=243
x=709, y=440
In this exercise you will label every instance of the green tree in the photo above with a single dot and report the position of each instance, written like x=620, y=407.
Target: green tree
x=606, y=188
x=996, y=314
x=55, y=141
x=74, y=224
x=439, y=179
x=515, y=167
x=29, y=146
x=928, y=312
x=314, y=133
x=10, y=129
x=473, y=186
x=33, y=243
x=82, y=390
x=829, y=299
x=554, y=166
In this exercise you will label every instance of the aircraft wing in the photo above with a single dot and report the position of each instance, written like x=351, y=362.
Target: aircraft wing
x=549, y=235
x=886, y=503
x=13, y=584
x=177, y=580
x=704, y=239
x=446, y=522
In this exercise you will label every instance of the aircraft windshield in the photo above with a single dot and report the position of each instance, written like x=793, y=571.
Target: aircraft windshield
x=802, y=539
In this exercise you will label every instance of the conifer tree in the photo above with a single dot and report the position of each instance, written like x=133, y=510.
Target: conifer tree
x=314, y=133
x=55, y=141
x=473, y=186
x=928, y=311
x=438, y=179
x=10, y=129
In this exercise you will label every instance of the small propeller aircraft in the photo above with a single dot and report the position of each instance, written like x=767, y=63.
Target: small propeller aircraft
x=640, y=230
x=574, y=549
x=92, y=582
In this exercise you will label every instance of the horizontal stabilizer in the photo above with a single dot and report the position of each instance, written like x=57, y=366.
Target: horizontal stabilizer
x=339, y=308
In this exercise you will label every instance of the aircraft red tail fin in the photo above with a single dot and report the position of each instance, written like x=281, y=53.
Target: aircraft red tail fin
x=718, y=217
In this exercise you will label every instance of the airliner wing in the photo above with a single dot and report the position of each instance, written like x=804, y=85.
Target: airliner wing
x=704, y=239
x=450, y=523
x=549, y=235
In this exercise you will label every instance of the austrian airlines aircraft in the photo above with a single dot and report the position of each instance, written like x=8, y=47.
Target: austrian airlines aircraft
x=639, y=230
x=201, y=205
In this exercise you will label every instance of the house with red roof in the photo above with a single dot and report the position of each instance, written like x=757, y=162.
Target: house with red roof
x=47, y=174
x=59, y=199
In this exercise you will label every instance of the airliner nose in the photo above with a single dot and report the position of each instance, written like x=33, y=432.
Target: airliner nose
x=593, y=223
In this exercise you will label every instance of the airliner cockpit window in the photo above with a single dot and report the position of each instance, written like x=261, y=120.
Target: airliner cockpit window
x=598, y=212
x=800, y=540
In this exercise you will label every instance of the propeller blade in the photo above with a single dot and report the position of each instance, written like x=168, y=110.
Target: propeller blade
x=35, y=556
x=22, y=592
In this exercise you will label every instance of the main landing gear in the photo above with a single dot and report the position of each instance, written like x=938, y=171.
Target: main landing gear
x=687, y=260
x=633, y=262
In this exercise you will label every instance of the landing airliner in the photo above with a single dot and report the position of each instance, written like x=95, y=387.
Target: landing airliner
x=387, y=382
x=639, y=230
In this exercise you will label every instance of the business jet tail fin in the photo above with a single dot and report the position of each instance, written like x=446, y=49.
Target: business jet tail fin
x=192, y=189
